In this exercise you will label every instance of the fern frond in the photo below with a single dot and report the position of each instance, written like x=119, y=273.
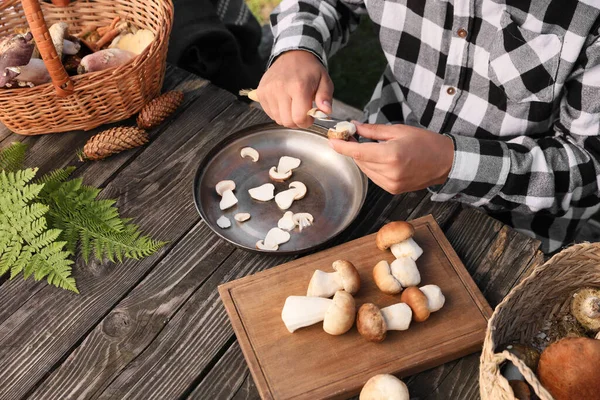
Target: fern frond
x=56, y=176
x=12, y=157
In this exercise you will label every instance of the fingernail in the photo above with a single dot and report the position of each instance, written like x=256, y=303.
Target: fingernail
x=326, y=103
x=356, y=122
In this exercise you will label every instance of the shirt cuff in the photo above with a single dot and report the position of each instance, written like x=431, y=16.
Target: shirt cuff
x=282, y=45
x=479, y=171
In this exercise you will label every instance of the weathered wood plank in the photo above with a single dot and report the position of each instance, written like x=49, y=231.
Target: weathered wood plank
x=134, y=323
x=227, y=378
x=58, y=151
x=191, y=340
x=156, y=189
x=443, y=212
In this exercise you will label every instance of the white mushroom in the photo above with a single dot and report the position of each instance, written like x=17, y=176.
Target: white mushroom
x=70, y=47
x=300, y=189
x=57, y=34
x=325, y=284
x=276, y=236
x=318, y=114
x=241, y=217
x=406, y=272
x=287, y=222
x=384, y=387
x=263, y=193
x=285, y=199
x=337, y=314
x=407, y=248
x=223, y=222
x=303, y=220
x=278, y=177
x=249, y=152
x=222, y=186
x=229, y=200
x=287, y=163
x=435, y=297
x=134, y=42
x=262, y=246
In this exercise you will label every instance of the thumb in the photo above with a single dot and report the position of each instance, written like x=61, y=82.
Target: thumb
x=324, y=94
x=376, y=131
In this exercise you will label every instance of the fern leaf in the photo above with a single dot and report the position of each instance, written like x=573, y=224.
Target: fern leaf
x=12, y=157
x=55, y=177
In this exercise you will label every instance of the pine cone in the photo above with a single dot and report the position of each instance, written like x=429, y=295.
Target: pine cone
x=159, y=109
x=114, y=140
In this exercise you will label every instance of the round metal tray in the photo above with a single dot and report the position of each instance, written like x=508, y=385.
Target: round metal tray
x=336, y=186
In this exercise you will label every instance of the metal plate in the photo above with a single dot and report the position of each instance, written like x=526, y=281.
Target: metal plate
x=336, y=186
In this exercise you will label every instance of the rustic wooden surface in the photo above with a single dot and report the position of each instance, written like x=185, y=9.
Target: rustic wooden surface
x=156, y=328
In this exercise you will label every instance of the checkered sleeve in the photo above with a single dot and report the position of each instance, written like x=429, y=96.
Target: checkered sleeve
x=319, y=26
x=557, y=173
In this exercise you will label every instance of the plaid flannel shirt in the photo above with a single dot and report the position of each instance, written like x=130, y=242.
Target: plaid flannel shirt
x=515, y=84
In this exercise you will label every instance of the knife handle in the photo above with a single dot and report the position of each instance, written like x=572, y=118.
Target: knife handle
x=250, y=93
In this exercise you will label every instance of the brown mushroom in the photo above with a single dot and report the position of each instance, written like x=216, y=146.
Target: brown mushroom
x=398, y=237
x=423, y=301
x=520, y=390
x=569, y=369
x=527, y=354
x=345, y=277
x=585, y=307
x=373, y=323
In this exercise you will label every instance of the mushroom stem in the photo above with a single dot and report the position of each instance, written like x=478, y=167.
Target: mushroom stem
x=407, y=248
x=324, y=284
x=301, y=311
x=397, y=317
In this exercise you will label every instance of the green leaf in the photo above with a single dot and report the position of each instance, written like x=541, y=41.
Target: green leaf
x=12, y=157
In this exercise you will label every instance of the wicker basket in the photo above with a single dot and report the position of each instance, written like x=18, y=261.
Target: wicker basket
x=542, y=296
x=89, y=100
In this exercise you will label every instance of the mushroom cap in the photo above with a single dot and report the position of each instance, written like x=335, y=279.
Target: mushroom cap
x=392, y=233
x=384, y=387
x=585, y=307
x=385, y=281
x=340, y=315
x=370, y=323
x=223, y=186
x=568, y=369
x=348, y=274
x=417, y=301
x=527, y=354
x=520, y=390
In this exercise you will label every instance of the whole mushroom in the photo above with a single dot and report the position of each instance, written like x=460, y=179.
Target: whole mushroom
x=398, y=237
x=15, y=52
x=391, y=279
x=373, y=323
x=384, y=387
x=585, y=307
x=337, y=314
x=527, y=354
x=326, y=284
x=569, y=369
x=423, y=301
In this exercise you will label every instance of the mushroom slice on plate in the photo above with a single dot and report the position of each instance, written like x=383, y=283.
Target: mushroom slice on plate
x=300, y=189
x=250, y=152
x=222, y=186
x=229, y=200
x=279, y=177
x=276, y=236
x=287, y=163
x=285, y=199
x=262, y=246
x=263, y=193
x=223, y=222
x=287, y=222
x=241, y=217
x=303, y=220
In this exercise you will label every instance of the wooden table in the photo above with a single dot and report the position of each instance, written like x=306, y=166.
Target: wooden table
x=156, y=328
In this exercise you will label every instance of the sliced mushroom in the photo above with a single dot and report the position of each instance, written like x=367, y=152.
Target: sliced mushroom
x=278, y=177
x=287, y=163
x=287, y=222
x=303, y=220
x=249, y=152
x=264, y=192
x=318, y=114
x=276, y=236
x=300, y=188
x=229, y=200
x=223, y=222
x=262, y=246
x=285, y=199
x=241, y=217
x=222, y=186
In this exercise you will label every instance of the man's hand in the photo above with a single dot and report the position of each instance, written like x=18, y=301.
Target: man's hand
x=410, y=158
x=288, y=88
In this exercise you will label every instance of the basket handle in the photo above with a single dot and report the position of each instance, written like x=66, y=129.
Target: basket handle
x=527, y=373
x=35, y=18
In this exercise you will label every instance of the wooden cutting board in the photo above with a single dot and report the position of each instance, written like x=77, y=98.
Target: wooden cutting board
x=310, y=364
